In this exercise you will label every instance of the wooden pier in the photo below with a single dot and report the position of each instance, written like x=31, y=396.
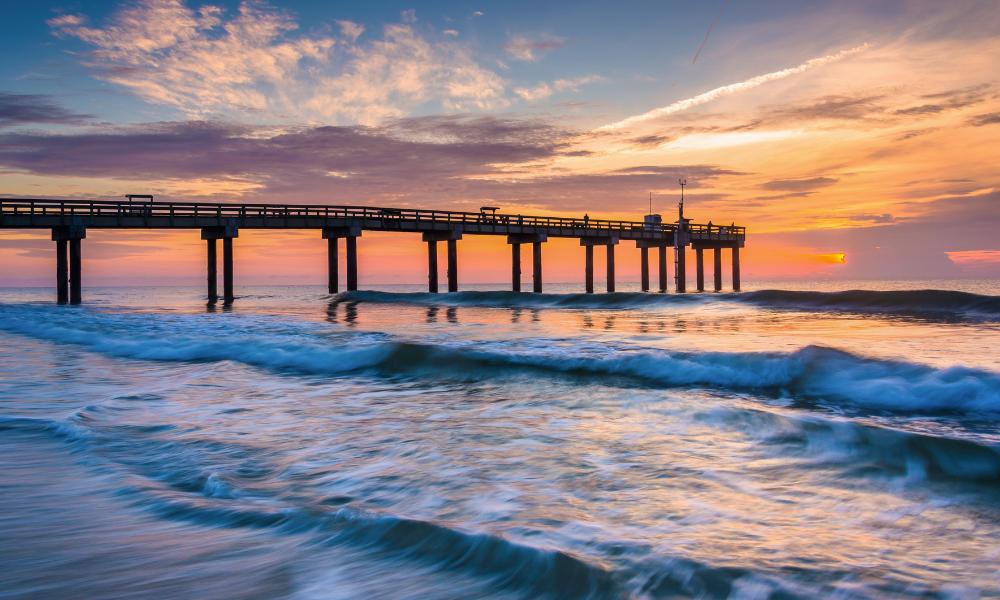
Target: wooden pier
x=69, y=221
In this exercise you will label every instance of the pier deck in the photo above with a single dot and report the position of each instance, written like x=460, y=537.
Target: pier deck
x=69, y=220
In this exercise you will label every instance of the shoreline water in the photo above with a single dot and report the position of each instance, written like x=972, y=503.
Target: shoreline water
x=492, y=444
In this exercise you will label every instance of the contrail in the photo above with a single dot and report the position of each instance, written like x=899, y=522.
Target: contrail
x=733, y=88
x=709, y=32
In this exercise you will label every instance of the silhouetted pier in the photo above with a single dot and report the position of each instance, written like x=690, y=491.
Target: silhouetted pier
x=70, y=219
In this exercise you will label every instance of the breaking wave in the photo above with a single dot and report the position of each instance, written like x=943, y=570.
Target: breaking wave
x=926, y=303
x=815, y=373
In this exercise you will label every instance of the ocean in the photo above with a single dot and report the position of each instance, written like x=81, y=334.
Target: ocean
x=791, y=441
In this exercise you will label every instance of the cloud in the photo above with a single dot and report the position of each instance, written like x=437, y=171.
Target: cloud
x=985, y=119
x=543, y=90
x=798, y=185
x=256, y=65
x=949, y=100
x=444, y=160
x=733, y=88
x=21, y=109
x=524, y=48
x=837, y=107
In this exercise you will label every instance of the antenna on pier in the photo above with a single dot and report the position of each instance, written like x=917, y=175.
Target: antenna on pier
x=680, y=205
x=650, y=203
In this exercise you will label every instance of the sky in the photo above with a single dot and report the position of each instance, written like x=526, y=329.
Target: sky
x=854, y=140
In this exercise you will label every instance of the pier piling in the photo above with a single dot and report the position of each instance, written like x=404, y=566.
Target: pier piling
x=736, y=268
x=717, y=252
x=662, y=251
x=644, y=267
x=62, y=272
x=536, y=274
x=699, y=261
x=213, y=277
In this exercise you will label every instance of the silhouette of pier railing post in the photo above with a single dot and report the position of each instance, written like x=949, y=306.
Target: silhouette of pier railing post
x=70, y=219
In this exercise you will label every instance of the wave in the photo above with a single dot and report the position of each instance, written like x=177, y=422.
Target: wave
x=916, y=302
x=205, y=483
x=814, y=373
x=864, y=448
x=501, y=299
x=926, y=303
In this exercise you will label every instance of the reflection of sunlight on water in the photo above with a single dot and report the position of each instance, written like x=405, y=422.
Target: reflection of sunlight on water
x=440, y=470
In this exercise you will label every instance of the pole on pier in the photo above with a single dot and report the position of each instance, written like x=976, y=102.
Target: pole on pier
x=452, y=265
x=699, y=260
x=213, y=277
x=718, y=269
x=62, y=272
x=736, y=268
x=590, y=269
x=333, y=265
x=352, y=263
x=432, y=266
x=662, y=250
x=611, y=268
x=515, y=267
x=536, y=274
x=227, y=271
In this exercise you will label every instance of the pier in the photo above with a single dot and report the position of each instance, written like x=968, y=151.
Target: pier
x=69, y=221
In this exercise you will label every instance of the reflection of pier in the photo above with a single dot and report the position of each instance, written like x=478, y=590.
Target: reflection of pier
x=70, y=219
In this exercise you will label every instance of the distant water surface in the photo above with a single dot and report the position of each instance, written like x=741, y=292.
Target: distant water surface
x=794, y=440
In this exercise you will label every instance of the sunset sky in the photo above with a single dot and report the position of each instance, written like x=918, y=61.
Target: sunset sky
x=852, y=139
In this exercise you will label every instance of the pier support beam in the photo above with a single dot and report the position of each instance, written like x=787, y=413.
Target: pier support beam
x=227, y=271
x=680, y=269
x=611, y=268
x=332, y=265
x=699, y=261
x=62, y=272
x=644, y=267
x=226, y=233
x=588, y=243
x=352, y=263
x=515, y=267
x=432, y=266
x=736, y=268
x=589, y=266
x=535, y=239
x=718, y=269
x=69, y=266
x=452, y=265
x=432, y=238
x=213, y=275
x=662, y=251
x=536, y=272
x=351, y=232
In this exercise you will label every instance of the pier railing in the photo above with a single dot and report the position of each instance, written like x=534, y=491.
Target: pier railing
x=103, y=208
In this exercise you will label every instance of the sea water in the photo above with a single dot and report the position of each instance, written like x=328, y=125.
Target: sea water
x=815, y=440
